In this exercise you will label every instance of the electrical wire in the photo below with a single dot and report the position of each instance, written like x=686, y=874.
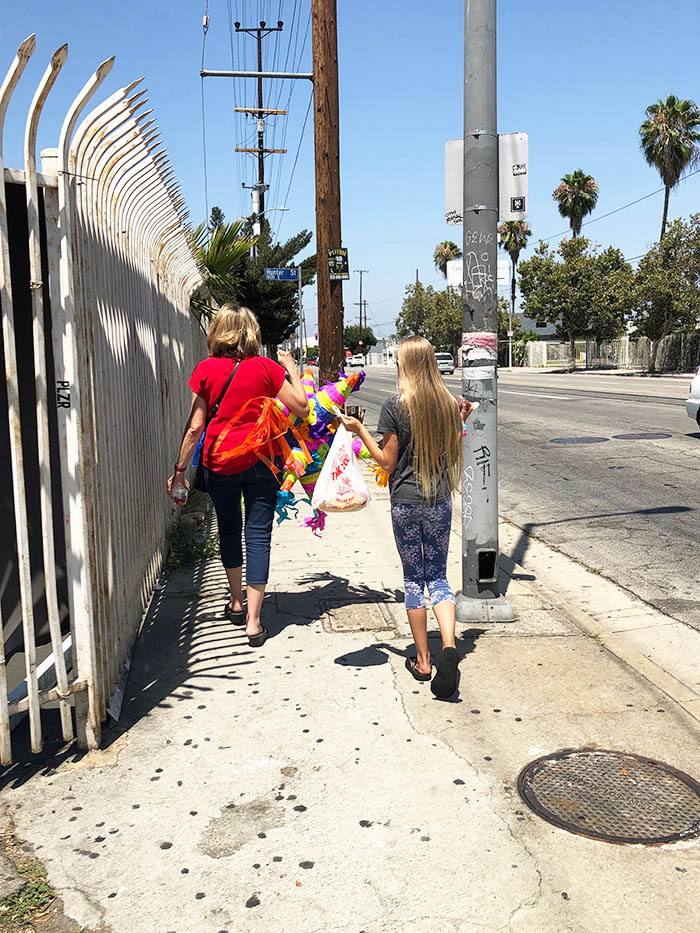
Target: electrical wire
x=618, y=209
x=205, y=30
x=296, y=65
x=292, y=41
x=236, y=94
x=296, y=158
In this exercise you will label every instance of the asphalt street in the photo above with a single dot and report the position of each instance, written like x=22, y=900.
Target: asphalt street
x=603, y=467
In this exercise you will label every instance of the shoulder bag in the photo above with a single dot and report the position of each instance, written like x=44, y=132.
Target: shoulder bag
x=198, y=458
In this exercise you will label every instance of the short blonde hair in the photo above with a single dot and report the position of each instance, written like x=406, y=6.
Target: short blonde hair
x=234, y=332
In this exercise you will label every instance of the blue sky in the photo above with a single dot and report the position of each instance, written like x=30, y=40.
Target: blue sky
x=576, y=79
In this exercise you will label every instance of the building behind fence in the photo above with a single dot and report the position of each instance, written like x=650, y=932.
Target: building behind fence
x=97, y=343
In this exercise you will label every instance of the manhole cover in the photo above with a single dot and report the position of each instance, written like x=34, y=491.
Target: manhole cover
x=342, y=616
x=640, y=437
x=614, y=796
x=578, y=440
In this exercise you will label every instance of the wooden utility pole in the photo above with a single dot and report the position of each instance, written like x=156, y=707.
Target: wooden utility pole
x=324, y=34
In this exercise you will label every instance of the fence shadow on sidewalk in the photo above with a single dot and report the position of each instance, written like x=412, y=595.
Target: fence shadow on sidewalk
x=186, y=648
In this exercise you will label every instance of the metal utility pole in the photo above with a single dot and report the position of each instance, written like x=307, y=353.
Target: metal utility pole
x=324, y=36
x=512, y=312
x=480, y=599
x=259, y=189
x=361, y=272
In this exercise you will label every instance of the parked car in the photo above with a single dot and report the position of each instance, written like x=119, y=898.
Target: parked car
x=692, y=405
x=445, y=362
x=356, y=360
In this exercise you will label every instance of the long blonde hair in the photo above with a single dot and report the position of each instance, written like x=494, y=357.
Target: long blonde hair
x=436, y=434
x=234, y=332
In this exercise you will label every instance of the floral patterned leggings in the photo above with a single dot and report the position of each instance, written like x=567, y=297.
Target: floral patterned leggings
x=422, y=534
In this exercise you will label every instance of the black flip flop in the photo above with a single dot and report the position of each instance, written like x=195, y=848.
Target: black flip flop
x=416, y=674
x=257, y=641
x=445, y=681
x=236, y=618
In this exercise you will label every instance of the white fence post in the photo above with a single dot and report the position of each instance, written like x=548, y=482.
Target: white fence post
x=121, y=273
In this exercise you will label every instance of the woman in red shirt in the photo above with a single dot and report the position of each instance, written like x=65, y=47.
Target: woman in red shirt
x=234, y=348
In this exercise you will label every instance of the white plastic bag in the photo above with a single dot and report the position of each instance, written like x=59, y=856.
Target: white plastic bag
x=340, y=486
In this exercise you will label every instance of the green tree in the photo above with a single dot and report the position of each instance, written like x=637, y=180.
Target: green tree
x=435, y=315
x=667, y=284
x=221, y=255
x=216, y=218
x=576, y=196
x=584, y=294
x=513, y=235
x=669, y=139
x=445, y=252
x=275, y=304
x=353, y=334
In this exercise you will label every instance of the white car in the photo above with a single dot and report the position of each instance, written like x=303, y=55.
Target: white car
x=692, y=405
x=445, y=362
x=356, y=360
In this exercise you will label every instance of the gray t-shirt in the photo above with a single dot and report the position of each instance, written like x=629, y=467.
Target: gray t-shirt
x=403, y=485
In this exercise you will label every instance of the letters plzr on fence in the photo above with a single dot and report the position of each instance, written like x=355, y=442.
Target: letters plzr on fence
x=96, y=277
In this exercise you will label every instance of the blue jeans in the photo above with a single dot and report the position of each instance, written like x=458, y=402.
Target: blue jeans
x=422, y=534
x=259, y=488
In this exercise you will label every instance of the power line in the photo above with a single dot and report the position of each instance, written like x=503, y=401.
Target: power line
x=296, y=64
x=205, y=29
x=235, y=96
x=296, y=157
x=618, y=209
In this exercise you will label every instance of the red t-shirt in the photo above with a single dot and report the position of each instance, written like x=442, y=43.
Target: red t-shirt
x=255, y=377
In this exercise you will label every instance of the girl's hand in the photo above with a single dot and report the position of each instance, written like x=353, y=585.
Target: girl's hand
x=285, y=358
x=177, y=478
x=354, y=425
x=465, y=408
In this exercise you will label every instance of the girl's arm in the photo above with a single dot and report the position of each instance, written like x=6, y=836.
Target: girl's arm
x=292, y=393
x=193, y=431
x=387, y=455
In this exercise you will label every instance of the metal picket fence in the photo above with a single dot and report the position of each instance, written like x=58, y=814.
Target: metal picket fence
x=96, y=277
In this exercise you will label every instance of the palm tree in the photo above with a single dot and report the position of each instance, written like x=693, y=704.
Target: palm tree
x=513, y=235
x=669, y=140
x=445, y=252
x=220, y=254
x=576, y=195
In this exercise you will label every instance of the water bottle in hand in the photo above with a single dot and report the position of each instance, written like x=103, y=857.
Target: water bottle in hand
x=178, y=494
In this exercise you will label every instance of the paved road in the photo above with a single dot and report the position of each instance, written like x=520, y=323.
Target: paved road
x=623, y=506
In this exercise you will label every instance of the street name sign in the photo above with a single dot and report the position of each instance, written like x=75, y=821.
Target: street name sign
x=512, y=178
x=282, y=275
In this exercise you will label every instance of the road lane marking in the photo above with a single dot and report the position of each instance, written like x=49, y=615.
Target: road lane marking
x=562, y=398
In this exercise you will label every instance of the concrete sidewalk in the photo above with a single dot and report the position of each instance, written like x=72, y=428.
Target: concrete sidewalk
x=313, y=785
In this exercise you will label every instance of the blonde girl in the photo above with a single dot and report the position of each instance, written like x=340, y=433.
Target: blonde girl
x=422, y=452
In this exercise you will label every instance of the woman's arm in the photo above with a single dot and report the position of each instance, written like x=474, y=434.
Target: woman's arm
x=292, y=393
x=193, y=431
x=387, y=455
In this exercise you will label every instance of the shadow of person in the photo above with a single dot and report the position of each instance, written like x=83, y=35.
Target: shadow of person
x=377, y=653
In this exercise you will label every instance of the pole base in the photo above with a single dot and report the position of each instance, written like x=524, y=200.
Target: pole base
x=477, y=609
